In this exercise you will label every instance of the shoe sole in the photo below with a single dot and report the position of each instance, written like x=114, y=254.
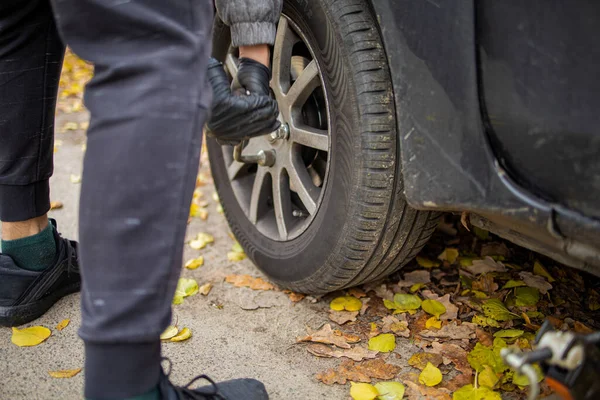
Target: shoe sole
x=24, y=313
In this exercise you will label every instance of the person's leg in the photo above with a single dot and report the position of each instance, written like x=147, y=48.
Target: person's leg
x=30, y=61
x=148, y=101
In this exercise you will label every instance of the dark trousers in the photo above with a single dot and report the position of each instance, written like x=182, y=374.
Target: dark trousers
x=148, y=102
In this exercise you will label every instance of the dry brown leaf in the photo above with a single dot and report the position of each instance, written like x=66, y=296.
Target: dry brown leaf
x=365, y=305
x=385, y=293
x=494, y=249
x=358, y=372
x=451, y=309
x=556, y=322
x=485, y=338
x=341, y=317
x=327, y=335
x=205, y=289
x=418, y=392
x=394, y=325
x=464, y=220
x=65, y=373
x=466, y=330
x=249, y=281
x=488, y=264
x=294, y=297
x=356, y=292
x=418, y=276
x=579, y=327
x=63, y=324
x=485, y=284
x=535, y=281
x=456, y=355
x=56, y=205
x=357, y=353
x=420, y=360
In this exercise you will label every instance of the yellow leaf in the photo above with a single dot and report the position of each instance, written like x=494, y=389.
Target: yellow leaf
x=390, y=390
x=433, y=322
x=63, y=324
x=195, y=210
x=184, y=334
x=84, y=125
x=433, y=307
x=538, y=269
x=56, y=205
x=201, y=240
x=178, y=299
x=75, y=178
x=237, y=248
x=449, y=254
x=430, y=376
x=363, y=391
x=427, y=263
x=170, y=332
x=414, y=288
x=219, y=209
x=31, y=336
x=70, y=126
x=235, y=256
x=65, y=373
x=348, y=303
x=407, y=301
x=487, y=377
x=185, y=287
x=469, y=392
x=205, y=289
x=195, y=263
x=384, y=343
x=215, y=196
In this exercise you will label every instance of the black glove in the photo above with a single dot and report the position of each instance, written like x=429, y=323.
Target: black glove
x=254, y=76
x=235, y=118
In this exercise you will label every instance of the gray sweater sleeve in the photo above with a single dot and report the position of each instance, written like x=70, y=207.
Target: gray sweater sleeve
x=251, y=21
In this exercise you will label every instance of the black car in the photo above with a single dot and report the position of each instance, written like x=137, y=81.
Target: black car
x=394, y=111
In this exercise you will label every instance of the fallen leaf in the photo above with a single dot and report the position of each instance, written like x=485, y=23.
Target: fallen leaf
x=70, y=126
x=494, y=249
x=485, y=283
x=341, y=317
x=294, y=297
x=390, y=390
x=494, y=308
x=84, y=125
x=383, y=343
x=523, y=380
x=394, y=325
x=431, y=375
x=64, y=373
x=414, y=277
x=455, y=354
x=449, y=254
x=419, y=392
x=485, y=321
x=451, y=310
x=407, y=301
x=170, y=332
x=249, y=281
x=348, y=303
x=433, y=307
x=235, y=256
x=56, y=205
x=487, y=377
x=469, y=392
x=509, y=333
x=481, y=234
x=433, y=322
x=485, y=338
x=219, y=208
x=187, y=287
x=363, y=391
x=184, y=334
x=416, y=287
x=362, y=372
x=420, y=360
x=195, y=263
x=513, y=284
x=526, y=296
x=201, y=240
x=466, y=330
x=580, y=327
x=427, y=263
x=327, y=335
x=535, y=281
x=538, y=269
x=488, y=264
x=31, y=336
x=356, y=353
x=197, y=211
x=482, y=355
x=75, y=178
x=356, y=292
x=63, y=324
x=205, y=289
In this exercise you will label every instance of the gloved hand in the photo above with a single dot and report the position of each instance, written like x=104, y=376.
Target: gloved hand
x=254, y=76
x=234, y=118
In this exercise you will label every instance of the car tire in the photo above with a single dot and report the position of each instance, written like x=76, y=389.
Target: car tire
x=363, y=229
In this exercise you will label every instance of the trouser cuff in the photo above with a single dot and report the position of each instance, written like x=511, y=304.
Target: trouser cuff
x=23, y=202
x=116, y=371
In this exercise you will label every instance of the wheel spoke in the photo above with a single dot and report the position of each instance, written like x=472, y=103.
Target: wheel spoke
x=301, y=183
x=231, y=65
x=282, y=203
x=303, y=87
x=258, y=192
x=253, y=146
x=234, y=169
x=282, y=56
x=310, y=137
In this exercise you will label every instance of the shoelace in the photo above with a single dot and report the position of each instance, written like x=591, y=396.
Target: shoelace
x=188, y=393
x=72, y=267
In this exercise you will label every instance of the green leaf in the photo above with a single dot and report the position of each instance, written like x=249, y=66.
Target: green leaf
x=509, y=333
x=415, y=288
x=522, y=380
x=485, y=321
x=487, y=377
x=427, y=263
x=513, y=284
x=390, y=390
x=538, y=269
x=407, y=301
x=481, y=233
x=526, y=296
x=468, y=392
x=494, y=308
x=384, y=343
x=482, y=355
x=433, y=307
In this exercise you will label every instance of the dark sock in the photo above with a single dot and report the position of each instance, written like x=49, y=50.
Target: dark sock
x=151, y=395
x=34, y=253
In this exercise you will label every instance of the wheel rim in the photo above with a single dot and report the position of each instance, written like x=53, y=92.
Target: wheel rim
x=283, y=199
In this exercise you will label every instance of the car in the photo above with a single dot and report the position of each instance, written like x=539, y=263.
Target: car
x=394, y=112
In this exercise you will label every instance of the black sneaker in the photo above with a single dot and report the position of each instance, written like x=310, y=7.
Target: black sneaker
x=27, y=295
x=236, y=389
